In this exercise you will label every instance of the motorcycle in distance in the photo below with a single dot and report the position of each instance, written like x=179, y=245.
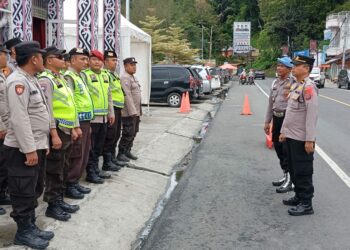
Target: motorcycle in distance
x=251, y=80
x=242, y=79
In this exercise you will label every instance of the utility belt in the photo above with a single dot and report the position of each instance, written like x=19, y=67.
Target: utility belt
x=279, y=114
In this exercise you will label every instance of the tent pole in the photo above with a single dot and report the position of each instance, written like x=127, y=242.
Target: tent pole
x=127, y=10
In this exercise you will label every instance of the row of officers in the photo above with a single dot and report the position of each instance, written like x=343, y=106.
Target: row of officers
x=59, y=113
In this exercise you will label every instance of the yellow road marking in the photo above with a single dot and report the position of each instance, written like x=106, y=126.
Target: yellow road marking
x=334, y=100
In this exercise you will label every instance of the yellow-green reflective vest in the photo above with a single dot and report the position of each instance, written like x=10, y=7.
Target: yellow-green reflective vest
x=116, y=90
x=98, y=84
x=63, y=105
x=82, y=97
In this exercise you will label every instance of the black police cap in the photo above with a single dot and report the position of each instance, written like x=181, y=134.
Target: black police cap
x=12, y=42
x=28, y=48
x=109, y=54
x=66, y=57
x=3, y=48
x=303, y=60
x=79, y=51
x=53, y=50
x=130, y=60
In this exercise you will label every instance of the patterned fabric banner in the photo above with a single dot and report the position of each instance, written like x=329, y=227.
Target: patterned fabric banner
x=111, y=25
x=88, y=24
x=55, y=12
x=22, y=19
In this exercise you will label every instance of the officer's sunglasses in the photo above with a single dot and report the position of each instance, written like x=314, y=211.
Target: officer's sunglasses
x=60, y=57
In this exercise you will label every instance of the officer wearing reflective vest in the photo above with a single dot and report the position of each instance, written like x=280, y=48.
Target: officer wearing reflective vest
x=79, y=59
x=98, y=82
x=113, y=131
x=64, y=128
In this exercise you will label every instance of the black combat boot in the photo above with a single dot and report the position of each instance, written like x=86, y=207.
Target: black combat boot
x=67, y=207
x=25, y=235
x=108, y=165
x=303, y=208
x=93, y=178
x=280, y=181
x=286, y=185
x=2, y=211
x=131, y=156
x=82, y=189
x=293, y=201
x=46, y=235
x=122, y=157
x=72, y=192
x=100, y=173
x=117, y=162
x=55, y=211
x=5, y=199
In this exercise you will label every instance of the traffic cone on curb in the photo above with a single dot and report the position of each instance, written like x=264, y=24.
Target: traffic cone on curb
x=246, y=107
x=185, y=103
x=188, y=103
x=269, y=143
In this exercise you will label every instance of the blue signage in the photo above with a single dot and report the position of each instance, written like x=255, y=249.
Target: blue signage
x=301, y=53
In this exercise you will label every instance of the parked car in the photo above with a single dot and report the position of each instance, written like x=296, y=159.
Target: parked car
x=344, y=78
x=318, y=77
x=169, y=82
x=203, y=72
x=215, y=78
x=259, y=74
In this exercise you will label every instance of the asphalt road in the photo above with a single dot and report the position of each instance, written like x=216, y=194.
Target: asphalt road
x=225, y=199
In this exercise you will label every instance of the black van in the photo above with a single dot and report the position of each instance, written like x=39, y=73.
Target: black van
x=344, y=78
x=169, y=82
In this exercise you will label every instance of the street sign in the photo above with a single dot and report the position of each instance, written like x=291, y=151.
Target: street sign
x=241, y=37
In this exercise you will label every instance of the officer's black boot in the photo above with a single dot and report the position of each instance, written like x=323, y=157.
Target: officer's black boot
x=67, y=207
x=280, y=181
x=293, y=201
x=82, y=189
x=46, y=235
x=131, y=156
x=72, y=192
x=55, y=211
x=2, y=211
x=101, y=174
x=92, y=177
x=303, y=208
x=108, y=165
x=286, y=186
x=117, y=162
x=25, y=235
x=5, y=199
x=122, y=157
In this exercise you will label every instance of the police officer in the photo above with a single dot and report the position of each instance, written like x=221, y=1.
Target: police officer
x=4, y=115
x=132, y=110
x=79, y=59
x=98, y=82
x=275, y=112
x=27, y=143
x=299, y=132
x=63, y=126
x=113, y=131
x=10, y=45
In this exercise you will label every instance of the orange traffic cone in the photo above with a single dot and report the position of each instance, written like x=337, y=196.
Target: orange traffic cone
x=269, y=143
x=185, y=105
x=246, y=107
x=188, y=103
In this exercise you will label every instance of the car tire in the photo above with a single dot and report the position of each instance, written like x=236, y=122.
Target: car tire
x=263, y=78
x=348, y=87
x=174, y=99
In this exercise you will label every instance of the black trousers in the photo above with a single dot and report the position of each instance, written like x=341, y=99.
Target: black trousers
x=130, y=129
x=57, y=168
x=98, y=137
x=3, y=170
x=25, y=184
x=113, y=133
x=301, y=169
x=280, y=147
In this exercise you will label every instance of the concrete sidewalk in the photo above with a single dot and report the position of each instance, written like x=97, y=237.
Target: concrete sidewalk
x=113, y=215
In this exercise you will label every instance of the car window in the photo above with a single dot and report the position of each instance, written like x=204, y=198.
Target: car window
x=177, y=73
x=160, y=74
x=315, y=71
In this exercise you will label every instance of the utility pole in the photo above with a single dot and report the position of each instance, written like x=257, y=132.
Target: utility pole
x=127, y=10
x=211, y=42
x=346, y=21
x=202, y=42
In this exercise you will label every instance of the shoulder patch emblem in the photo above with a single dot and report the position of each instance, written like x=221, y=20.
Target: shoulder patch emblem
x=308, y=92
x=19, y=89
x=93, y=77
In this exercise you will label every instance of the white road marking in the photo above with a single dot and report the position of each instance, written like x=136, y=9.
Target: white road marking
x=335, y=100
x=334, y=166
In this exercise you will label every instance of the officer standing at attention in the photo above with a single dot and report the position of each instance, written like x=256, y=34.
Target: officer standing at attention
x=299, y=131
x=4, y=116
x=132, y=110
x=27, y=143
x=10, y=45
x=80, y=150
x=98, y=82
x=276, y=111
x=113, y=131
x=63, y=126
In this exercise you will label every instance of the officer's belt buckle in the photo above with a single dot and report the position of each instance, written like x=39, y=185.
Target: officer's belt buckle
x=278, y=114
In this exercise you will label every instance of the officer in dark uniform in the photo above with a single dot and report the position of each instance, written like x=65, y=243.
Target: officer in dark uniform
x=27, y=143
x=10, y=45
x=299, y=131
x=276, y=111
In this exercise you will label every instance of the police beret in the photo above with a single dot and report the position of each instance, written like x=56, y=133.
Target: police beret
x=53, y=50
x=96, y=53
x=28, y=48
x=3, y=48
x=110, y=54
x=130, y=60
x=79, y=51
x=303, y=60
x=12, y=42
x=286, y=61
